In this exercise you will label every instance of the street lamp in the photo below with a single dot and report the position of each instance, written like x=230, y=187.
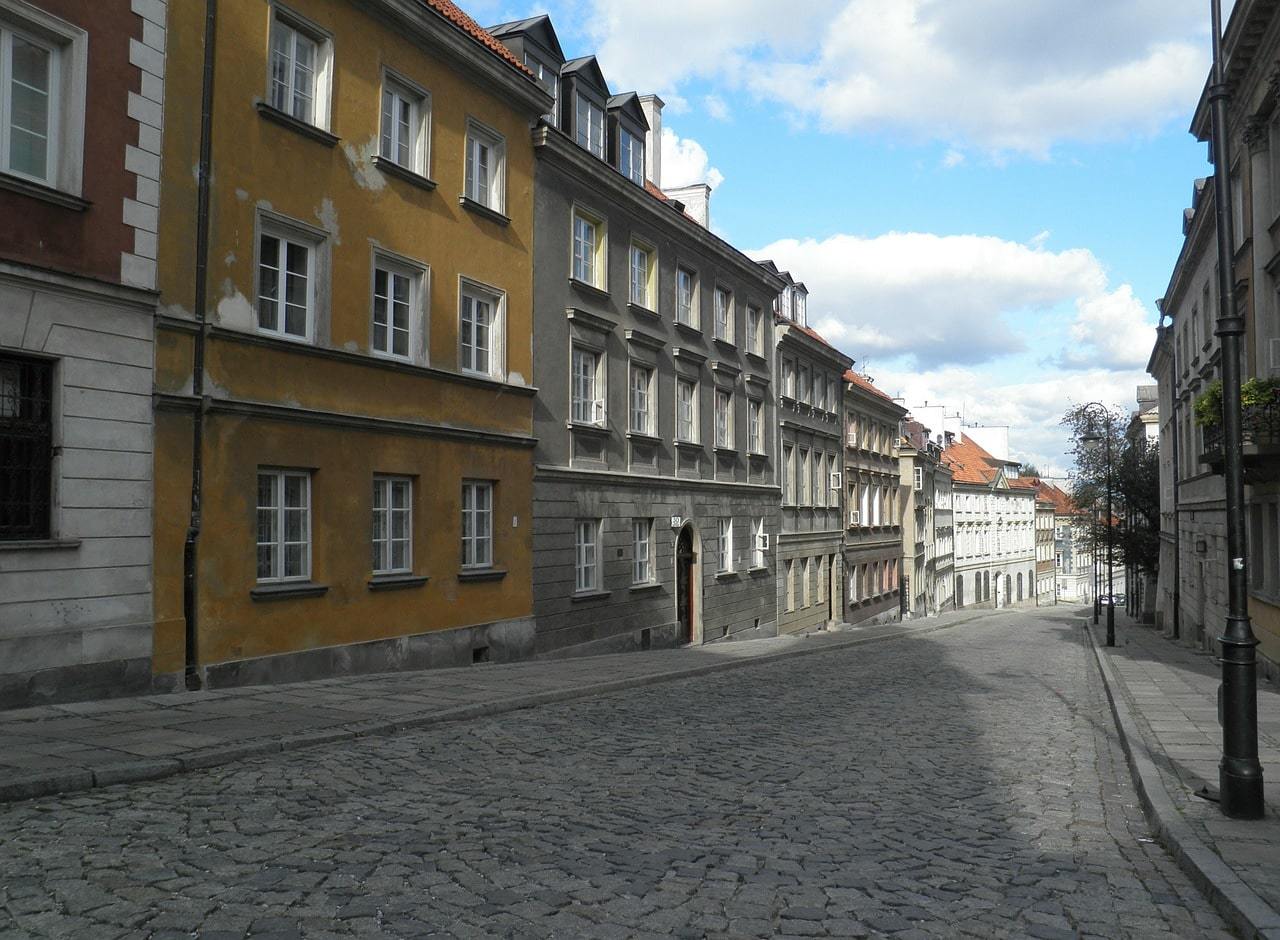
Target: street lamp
x=1097, y=567
x=1092, y=436
x=1239, y=773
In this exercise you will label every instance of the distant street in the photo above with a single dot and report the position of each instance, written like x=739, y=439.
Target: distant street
x=964, y=783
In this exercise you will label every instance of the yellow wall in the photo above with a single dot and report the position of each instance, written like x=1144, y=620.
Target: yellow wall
x=258, y=164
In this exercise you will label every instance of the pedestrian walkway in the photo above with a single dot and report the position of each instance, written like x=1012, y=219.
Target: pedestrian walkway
x=1165, y=697
x=77, y=746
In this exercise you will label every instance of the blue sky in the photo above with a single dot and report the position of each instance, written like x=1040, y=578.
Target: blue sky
x=983, y=196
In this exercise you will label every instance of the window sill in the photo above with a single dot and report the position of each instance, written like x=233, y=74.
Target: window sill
x=599, y=293
x=467, y=575
x=396, y=582
x=38, y=545
x=643, y=438
x=480, y=209
x=692, y=445
x=758, y=356
x=642, y=311
x=275, y=115
x=579, y=596
x=726, y=450
x=583, y=428
x=757, y=455
x=287, y=590
x=726, y=342
x=42, y=192
x=688, y=328
x=643, y=588
x=727, y=575
x=391, y=168
x=758, y=570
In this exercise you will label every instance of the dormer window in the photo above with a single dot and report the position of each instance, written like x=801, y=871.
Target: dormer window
x=631, y=156
x=548, y=78
x=800, y=314
x=590, y=124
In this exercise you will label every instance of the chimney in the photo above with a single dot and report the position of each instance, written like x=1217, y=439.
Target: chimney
x=696, y=200
x=652, y=106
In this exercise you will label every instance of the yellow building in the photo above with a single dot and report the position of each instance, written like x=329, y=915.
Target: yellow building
x=362, y=422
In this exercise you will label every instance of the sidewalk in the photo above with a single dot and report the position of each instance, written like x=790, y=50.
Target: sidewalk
x=1164, y=696
x=77, y=746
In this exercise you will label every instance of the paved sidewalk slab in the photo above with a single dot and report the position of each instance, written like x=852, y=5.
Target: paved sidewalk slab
x=80, y=745
x=1165, y=699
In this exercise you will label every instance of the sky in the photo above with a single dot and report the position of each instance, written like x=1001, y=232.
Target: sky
x=984, y=197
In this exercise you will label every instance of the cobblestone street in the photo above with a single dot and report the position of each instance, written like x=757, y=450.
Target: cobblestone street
x=963, y=783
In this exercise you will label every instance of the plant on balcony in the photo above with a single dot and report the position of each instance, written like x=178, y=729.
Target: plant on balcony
x=1254, y=394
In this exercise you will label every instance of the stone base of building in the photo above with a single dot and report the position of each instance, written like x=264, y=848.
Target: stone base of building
x=110, y=679
x=503, y=641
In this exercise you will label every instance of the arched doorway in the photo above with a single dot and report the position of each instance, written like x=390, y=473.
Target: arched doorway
x=1019, y=585
x=688, y=585
x=959, y=590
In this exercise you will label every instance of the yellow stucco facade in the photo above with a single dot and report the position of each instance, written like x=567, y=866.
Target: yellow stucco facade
x=328, y=405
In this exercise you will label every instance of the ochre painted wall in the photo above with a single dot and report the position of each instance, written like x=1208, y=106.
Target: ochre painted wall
x=259, y=165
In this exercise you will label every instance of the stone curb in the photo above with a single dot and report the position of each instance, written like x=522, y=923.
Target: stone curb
x=30, y=786
x=1235, y=900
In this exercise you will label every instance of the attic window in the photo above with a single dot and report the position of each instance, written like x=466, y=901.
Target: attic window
x=590, y=126
x=548, y=78
x=631, y=156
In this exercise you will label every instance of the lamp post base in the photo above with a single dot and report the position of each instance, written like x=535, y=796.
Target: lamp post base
x=1240, y=789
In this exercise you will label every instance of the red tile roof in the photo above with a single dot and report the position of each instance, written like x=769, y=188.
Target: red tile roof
x=864, y=383
x=969, y=463
x=451, y=12
x=1062, y=503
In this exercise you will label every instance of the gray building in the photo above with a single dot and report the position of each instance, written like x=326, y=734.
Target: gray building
x=873, y=502
x=810, y=558
x=655, y=499
x=924, y=542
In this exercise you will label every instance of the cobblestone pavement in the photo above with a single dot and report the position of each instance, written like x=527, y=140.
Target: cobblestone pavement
x=966, y=783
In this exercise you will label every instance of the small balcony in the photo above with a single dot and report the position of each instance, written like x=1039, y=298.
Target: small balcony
x=1260, y=440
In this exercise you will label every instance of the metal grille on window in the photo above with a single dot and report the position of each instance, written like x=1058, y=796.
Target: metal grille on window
x=26, y=447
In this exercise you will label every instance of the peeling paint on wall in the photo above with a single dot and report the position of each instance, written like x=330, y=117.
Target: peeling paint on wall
x=175, y=310
x=242, y=194
x=234, y=310
x=230, y=259
x=515, y=378
x=365, y=173
x=327, y=215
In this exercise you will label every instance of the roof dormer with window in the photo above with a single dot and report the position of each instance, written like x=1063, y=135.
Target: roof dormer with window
x=627, y=129
x=584, y=102
x=534, y=42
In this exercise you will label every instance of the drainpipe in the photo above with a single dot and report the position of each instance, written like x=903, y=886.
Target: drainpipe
x=1177, y=521
x=190, y=581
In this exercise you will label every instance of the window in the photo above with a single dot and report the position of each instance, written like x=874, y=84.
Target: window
x=755, y=425
x=299, y=72
x=586, y=541
x=404, y=127
x=588, y=249
x=788, y=378
x=802, y=381
x=631, y=156
x=286, y=285
x=590, y=126
x=477, y=524
x=819, y=392
x=726, y=545
x=395, y=296
x=819, y=484
x=724, y=418
x=392, y=524
x=801, y=302
x=284, y=525
x=29, y=96
x=26, y=448
x=641, y=551
x=641, y=393
x=854, y=583
x=791, y=586
x=641, y=266
x=587, y=398
x=486, y=167
x=549, y=79
x=789, y=475
x=806, y=584
x=480, y=330
x=686, y=411
x=724, y=315
x=804, y=477
x=755, y=331
x=759, y=542
x=686, y=297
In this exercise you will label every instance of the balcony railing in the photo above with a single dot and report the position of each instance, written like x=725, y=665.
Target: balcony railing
x=1259, y=435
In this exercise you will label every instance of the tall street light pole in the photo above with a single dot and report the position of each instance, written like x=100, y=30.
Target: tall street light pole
x=1094, y=436
x=1097, y=567
x=1239, y=773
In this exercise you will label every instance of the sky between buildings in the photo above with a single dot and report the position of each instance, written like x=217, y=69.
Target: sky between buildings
x=984, y=197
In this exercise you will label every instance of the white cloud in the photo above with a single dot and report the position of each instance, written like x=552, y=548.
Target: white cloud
x=952, y=158
x=954, y=299
x=999, y=75
x=1112, y=329
x=685, y=162
x=716, y=107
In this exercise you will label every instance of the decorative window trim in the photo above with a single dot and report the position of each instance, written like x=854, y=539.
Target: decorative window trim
x=322, y=99
x=596, y=409
x=649, y=302
x=317, y=242
x=419, y=304
x=497, y=329
x=695, y=420
x=420, y=152
x=497, y=201
x=651, y=411
x=598, y=276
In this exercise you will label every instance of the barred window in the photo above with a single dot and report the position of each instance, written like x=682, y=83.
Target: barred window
x=26, y=447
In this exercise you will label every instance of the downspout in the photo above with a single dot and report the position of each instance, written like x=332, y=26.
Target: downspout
x=1177, y=521
x=190, y=581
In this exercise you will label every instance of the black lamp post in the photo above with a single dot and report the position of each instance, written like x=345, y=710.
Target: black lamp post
x=1097, y=568
x=1239, y=773
x=1092, y=436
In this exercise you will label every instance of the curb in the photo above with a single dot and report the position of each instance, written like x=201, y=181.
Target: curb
x=1234, y=899
x=30, y=786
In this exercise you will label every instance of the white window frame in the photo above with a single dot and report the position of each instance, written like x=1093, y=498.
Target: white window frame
x=788, y=475
x=419, y=145
x=757, y=544
x=384, y=547
x=591, y=136
x=479, y=134
x=804, y=477
x=631, y=158
x=288, y=233
x=477, y=523
x=724, y=313
x=497, y=300
x=755, y=330
x=755, y=425
x=68, y=84
x=589, y=248
x=642, y=570
x=586, y=555
x=587, y=398
x=687, y=314
x=724, y=561
x=644, y=297
x=693, y=436
x=278, y=543
x=549, y=78
x=322, y=73
x=635, y=392
x=395, y=266
x=724, y=418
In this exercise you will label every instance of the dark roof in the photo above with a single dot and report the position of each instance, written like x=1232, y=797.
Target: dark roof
x=538, y=27
x=589, y=67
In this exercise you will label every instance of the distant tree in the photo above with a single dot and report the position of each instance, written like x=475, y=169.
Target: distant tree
x=1029, y=470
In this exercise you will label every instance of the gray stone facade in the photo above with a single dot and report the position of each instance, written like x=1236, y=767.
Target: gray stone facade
x=641, y=419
